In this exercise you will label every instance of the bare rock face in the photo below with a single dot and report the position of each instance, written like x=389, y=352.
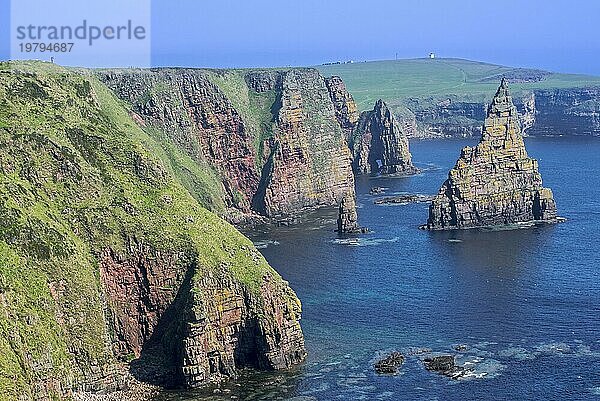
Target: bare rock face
x=309, y=163
x=277, y=140
x=495, y=183
x=189, y=327
x=229, y=327
x=571, y=111
x=379, y=144
x=346, y=111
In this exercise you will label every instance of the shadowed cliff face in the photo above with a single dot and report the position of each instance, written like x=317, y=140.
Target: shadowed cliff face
x=272, y=136
x=453, y=117
x=495, y=183
x=106, y=257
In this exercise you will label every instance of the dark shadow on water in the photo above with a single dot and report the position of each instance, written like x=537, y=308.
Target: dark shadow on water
x=249, y=386
x=161, y=355
x=487, y=249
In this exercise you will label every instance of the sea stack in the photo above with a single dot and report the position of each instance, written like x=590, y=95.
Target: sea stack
x=347, y=221
x=379, y=145
x=495, y=183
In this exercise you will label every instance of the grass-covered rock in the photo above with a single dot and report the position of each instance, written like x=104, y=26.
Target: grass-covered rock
x=87, y=196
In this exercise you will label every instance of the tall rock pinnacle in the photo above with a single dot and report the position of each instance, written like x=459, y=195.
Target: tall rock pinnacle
x=495, y=183
x=379, y=145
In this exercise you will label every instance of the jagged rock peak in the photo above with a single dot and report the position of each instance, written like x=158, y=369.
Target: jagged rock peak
x=495, y=183
x=379, y=145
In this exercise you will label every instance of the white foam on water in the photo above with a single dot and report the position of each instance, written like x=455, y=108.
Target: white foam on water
x=264, y=244
x=364, y=241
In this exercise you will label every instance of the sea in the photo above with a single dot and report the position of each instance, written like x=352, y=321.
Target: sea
x=519, y=308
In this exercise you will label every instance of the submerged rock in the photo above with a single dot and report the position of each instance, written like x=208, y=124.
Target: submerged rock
x=376, y=190
x=495, y=183
x=390, y=364
x=347, y=221
x=403, y=199
x=445, y=365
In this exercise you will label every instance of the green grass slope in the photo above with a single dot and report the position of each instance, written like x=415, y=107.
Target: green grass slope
x=78, y=176
x=393, y=81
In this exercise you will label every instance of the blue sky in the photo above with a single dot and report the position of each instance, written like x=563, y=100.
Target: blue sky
x=557, y=35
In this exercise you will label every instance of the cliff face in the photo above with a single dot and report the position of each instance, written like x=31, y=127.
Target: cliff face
x=274, y=138
x=379, y=144
x=110, y=269
x=309, y=163
x=453, y=117
x=346, y=111
x=189, y=111
x=568, y=111
x=573, y=111
x=495, y=183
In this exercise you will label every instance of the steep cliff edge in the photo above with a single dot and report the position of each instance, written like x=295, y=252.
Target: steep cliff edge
x=273, y=137
x=309, y=164
x=568, y=111
x=455, y=117
x=379, y=144
x=495, y=183
x=108, y=262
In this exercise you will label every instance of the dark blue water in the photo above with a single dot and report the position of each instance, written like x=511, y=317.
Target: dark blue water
x=526, y=303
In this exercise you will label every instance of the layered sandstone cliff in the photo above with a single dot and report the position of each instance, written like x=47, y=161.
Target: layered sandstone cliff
x=110, y=268
x=274, y=138
x=495, y=183
x=456, y=117
x=346, y=110
x=309, y=163
x=379, y=144
x=574, y=111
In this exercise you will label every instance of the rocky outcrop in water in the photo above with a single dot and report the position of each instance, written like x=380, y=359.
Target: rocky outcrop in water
x=347, y=221
x=495, y=183
x=379, y=145
x=390, y=364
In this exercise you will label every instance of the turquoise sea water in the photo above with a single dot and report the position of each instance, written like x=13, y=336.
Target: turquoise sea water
x=526, y=303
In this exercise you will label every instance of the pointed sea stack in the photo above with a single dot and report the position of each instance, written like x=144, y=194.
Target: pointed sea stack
x=379, y=145
x=495, y=183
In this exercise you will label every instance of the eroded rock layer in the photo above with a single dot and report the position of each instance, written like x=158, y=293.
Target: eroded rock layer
x=309, y=161
x=346, y=110
x=379, y=145
x=111, y=270
x=276, y=139
x=495, y=183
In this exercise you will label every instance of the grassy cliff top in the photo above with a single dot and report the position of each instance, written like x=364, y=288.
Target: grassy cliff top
x=442, y=77
x=78, y=176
